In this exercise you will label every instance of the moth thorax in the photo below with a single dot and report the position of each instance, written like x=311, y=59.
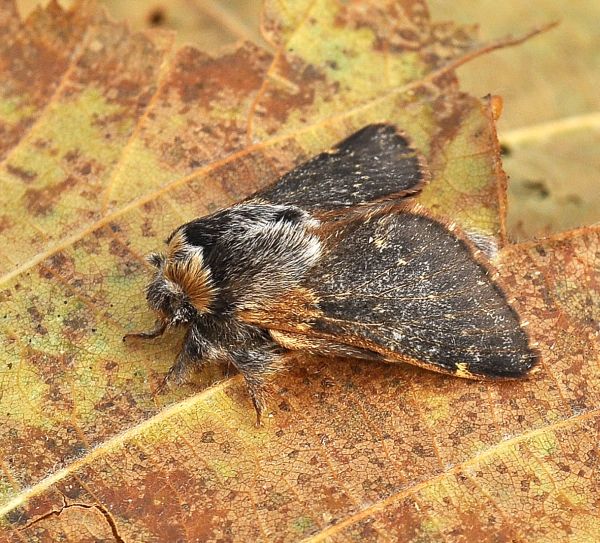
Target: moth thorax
x=193, y=278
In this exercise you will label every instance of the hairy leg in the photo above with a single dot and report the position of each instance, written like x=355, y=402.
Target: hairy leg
x=258, y=366
x=178, y=373
x=158, y=330
x=188, y=360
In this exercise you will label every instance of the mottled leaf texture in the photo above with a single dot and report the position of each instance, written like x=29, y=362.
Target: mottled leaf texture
x=108, y=141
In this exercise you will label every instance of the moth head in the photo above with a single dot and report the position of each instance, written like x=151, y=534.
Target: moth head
x=181, y=288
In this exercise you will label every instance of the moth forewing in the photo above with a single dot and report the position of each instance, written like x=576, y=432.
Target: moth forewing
x=397, y=282
x=376, y=163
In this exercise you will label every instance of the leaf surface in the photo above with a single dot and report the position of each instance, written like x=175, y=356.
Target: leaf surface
x=129, y=138
x=550, y=125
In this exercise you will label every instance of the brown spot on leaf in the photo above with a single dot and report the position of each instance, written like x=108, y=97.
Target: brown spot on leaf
x=294, y=89
x=41, y=201
x=5, y=223
x=26, y=176
x=200, y=78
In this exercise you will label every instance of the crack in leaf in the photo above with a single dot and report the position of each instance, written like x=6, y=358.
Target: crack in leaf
x=191, y=402
x=197, y=404
x=56, y=513
x=112, y=443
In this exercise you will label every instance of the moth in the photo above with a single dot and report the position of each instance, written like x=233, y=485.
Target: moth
x=337, y=259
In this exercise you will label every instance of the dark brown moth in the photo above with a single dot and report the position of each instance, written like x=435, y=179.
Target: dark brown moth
x=336, y=259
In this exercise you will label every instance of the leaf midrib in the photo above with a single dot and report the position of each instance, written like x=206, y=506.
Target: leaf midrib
x=548, y=129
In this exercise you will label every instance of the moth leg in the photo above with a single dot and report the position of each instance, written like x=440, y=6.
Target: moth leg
x=178, y=373
x=257, y=367
x=189, y=359
x=257, y=388
x=158, y=330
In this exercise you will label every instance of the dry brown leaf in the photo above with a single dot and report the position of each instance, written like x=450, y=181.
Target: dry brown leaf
x=551, y=123
x=124, y=138
x=206, y=24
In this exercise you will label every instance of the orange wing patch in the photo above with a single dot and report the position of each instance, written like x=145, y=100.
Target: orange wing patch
x=295, y=312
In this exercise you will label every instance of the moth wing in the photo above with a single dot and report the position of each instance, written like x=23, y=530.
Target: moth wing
x=405, y=287
x=375, y=163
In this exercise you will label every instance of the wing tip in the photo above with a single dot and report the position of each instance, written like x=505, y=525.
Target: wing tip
x=518, y=366
x=372, y=133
